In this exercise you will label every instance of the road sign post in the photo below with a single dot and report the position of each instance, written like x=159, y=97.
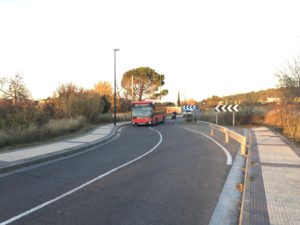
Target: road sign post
x=227, y=108
x=193, y=116
x=190, y=117
x=233, y=119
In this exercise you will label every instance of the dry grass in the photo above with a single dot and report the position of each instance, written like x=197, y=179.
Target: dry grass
x=120, y=117
x=34, y=133
x=53, y=129
x=274, y=119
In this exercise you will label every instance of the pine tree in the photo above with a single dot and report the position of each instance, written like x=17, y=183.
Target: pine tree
x=178, y=99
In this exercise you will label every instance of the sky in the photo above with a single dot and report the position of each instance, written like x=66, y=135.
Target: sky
x=202, y=47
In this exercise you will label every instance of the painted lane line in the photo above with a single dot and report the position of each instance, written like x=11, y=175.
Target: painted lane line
x=83, y=185
x=228, y=155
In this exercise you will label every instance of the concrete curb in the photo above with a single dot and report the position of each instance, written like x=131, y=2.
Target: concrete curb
x=227, y=209
x=65, y=152
x=245, y=204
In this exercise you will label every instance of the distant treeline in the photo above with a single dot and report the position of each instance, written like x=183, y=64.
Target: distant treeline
x=278, y=108
x=260, y=97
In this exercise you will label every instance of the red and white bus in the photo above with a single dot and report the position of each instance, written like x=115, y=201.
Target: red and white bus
x=147, y=112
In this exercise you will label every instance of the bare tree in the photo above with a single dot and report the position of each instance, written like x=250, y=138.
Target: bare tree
x=67, y=93
x=14, y=88
x=289, y=81
x=104, y=88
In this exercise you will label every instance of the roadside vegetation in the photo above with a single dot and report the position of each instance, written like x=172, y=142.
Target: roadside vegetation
x=276, y=108
x=71, y=108
x=285, y=120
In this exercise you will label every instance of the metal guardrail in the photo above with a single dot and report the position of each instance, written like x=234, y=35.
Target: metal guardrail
x=228, y=133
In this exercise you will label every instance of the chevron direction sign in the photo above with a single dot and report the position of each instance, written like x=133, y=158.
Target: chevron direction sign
x=226, y=108
x=190, y=107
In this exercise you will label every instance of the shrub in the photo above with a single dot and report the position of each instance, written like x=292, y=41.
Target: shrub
x=209, y=116
x=33, y=133
x=108, y=117
x=56, y=128
x=123, y=116
x=4, y=138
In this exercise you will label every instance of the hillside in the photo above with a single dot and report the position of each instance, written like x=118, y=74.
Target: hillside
x=263, y=96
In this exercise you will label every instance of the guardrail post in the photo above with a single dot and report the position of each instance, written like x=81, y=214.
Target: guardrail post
x=226, y=135
x=227, y=132
x=243, y=146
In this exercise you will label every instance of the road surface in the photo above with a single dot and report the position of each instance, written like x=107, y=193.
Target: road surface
x=147, y=175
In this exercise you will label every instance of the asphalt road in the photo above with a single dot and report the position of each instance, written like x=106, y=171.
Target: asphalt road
x=178, y=183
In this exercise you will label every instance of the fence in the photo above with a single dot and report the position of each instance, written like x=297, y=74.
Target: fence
x=228, y=133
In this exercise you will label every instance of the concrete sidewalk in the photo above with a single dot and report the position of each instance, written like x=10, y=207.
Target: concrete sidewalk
x=272, y=194
x=19, y=158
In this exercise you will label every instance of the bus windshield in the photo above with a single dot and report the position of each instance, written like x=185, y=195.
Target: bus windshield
x=142, y=111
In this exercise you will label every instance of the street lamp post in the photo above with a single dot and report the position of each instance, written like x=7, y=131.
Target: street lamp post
x=160, y=88
x=115, y=95
x=131, y=88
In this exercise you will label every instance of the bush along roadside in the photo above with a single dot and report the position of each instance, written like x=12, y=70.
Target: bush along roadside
x=34, y=133
x=70, y=109
x=54, y=128
x=285, y=121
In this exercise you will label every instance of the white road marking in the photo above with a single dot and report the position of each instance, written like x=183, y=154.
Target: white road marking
x=83, y=185
x=228, y=155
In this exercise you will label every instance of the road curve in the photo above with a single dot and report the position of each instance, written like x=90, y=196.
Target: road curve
x=178, y=183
